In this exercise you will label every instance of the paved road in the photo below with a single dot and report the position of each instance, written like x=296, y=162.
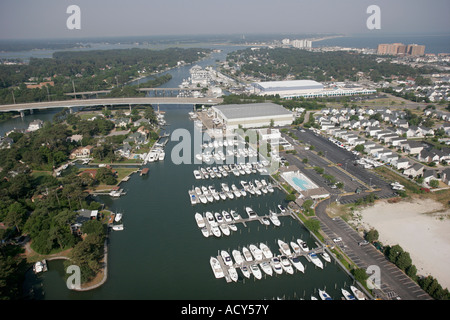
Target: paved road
x=394, y=283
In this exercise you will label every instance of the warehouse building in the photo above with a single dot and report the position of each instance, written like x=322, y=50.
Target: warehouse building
x=254, y=115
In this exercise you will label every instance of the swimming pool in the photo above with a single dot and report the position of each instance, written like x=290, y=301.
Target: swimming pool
x=298, y=181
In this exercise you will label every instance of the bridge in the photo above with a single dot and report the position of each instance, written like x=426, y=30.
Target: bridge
x=22, y=107
x=170, y=92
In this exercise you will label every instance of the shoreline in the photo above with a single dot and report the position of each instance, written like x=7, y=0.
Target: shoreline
x=420, y=226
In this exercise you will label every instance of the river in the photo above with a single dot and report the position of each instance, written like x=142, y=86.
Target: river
x=162, y=255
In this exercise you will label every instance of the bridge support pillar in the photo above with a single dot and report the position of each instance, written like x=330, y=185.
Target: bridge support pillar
x=70, y=110
x=22, y=114
x=31, y=111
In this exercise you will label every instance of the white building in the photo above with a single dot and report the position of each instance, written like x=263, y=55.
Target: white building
x=35, y=125
x=199, y=76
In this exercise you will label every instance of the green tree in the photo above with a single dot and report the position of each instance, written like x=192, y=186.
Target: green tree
x=372, y=235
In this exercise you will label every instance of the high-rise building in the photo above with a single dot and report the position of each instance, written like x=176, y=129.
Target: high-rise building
x=415, y=50
x=401, y=49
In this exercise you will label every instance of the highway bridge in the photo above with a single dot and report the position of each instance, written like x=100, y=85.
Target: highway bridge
x=21, y=107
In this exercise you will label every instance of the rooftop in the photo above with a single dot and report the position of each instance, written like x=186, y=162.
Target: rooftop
x=252, y=110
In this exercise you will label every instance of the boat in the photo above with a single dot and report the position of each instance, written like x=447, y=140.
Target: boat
x=233, y=274
x=256, y=252
x=200, y=220
x=235, y=215
x=247, y=254
x=257, y=191
x=258, y=184
x=357, y=293
x=203, y=198
x=274, y=219
x=266, y=251
x=265, y=221
x=162, y=155
x=297, y=264
x=216, y=268
x=323, y=295
x=265, y=266
x=286, y=265
x=282, y=209
x=205, y=232
x=303, y=245
x=209, y=196
x=210, y=219
x=222, y=195
x=270, y=188
x=315, y=259
x=40, y=266
x=226, y=258
x=118, y=227
x=256, y=271
x=225, y=229
x=314, y=298
x=295, y=247
x=118, y=217
x=326, y=256
x=216, y=231
x=230, y=195
x=250, y=212
x=238, y=258
x=232, y=227
x=243, y=192
x=204, y=173
x=198, y=191
x=218, y=217
x=245, y=271
x=347, y=295
x=227, y=216
x=284, y=248
x=276, y=265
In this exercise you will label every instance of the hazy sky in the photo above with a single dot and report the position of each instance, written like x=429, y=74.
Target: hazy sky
x=28, y=19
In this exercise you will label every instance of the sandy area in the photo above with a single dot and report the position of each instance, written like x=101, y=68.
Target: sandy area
x=420, y=227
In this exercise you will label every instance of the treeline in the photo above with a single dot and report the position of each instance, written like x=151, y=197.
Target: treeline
x=319, y=66
x=87, y=71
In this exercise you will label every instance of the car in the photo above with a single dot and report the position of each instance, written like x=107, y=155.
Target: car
x=363, y=243
x=339, y=164
x=336, y=240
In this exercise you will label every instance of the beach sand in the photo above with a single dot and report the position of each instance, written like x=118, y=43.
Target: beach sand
x=421, y=227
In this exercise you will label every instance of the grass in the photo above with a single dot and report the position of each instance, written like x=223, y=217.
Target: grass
x=391, y=176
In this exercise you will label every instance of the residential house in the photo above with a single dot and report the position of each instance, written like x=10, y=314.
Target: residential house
x=413, y=147
x=35, y=125
x=401, y=163
x=429, y=175
x=414, y=171
x=445, y=176
x=81, y=152
x=395, y=142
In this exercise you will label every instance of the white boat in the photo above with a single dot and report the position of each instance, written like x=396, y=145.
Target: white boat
x=230, y=195
x=243, y=192
x=216, y=231
x=203, y=198
x=256, y=271
x=118, y=227
x=118, y=217
x=235, y=215
x=218, y=217
x=315, y=259
x=209, y=197
x=162, y=155
x=357, y=293
x=222, y=195
x=303, y=245
x=295, y=247
x=216, y=268
x=347, y=295
x=40, y=266
x=200, y=220
x=326, y=256
x=198, y=191
x=250, y=212
x=258, y=184
x=276, y=265
x=226, y=258
x=297, y=264
x=256, y=252
x=247, y=254
x=323, y=295
x=282, y=209
x=210, y=219
x=286, y=265
x=274, y=219
x=265, y=221
x=228, y=218
x=238, y=258
x=265, y=266
x=257, y=191
x=204, y=173
x=314, y=298
x=245, y=271
x=233, y=274
x=232, y=227
x=270, y=188
x=266, y=251
x=284, y=248
x=194, y=198
x=205, y=232
x=225, y=229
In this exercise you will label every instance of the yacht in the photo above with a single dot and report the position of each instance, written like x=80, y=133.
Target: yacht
x=203, y=198
x=315, y=259
x=218, y=217
x=194, y=199
x=258, y=184
x=276, y=265
x=226, y=258
x=233, y=274
x=225, y=229
x=205, y=232
x=228, y=218
x=282, y=209
x=222, y=195
x=256, y=252
x=118, y=217
x=244, y=185
x=216, y=268
x=265, y=266
x=235, y=215
x=270, y=188
x=284, y=248
x=295, y=247
x=230, y=195
x=243, y=192
x=264, y=189
x=347, y=295
x=266, y=251
x=326, y=256
x=40, y=266
x=286, y=265
x=232, y=227
x=216, y=231
x=237, y=256
x=209, y=197
x=204, y=173
x=162, y=155
x=250, y=212
x=297, y=264
x=357, y=293
x=256, y=271
x=210, y=219
x=274, y=219
x=118, y=227
x=236, y=172
x=245, y=271
x=200, y=220
x=247, y=254
x=265, y=221
x=225, y=187
x=303, y=245
x=323, y=295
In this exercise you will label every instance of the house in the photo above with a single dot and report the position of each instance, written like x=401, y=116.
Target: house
x=429, y=175
x=445, y=176
x=402, y=123
x=395, y=142
x=415, y=171
x=401, y=163
x=413, y=147
x=35, y=125
x=81, y=152
x=371, y=131
x=428, y=156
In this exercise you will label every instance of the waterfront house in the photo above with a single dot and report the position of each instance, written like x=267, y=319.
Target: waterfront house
x=81, y=152
x=35, y=125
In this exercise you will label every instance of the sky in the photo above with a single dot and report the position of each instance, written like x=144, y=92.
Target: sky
x=46, y=19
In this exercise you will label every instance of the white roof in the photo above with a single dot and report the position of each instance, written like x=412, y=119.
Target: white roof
x=289, y=84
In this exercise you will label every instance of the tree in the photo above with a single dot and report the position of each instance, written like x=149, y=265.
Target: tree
x=403, y=261
x=372, y=235
x=434, y=183
x=359, y=148
x=394, y=252
x=16, y=215
x=360, y=274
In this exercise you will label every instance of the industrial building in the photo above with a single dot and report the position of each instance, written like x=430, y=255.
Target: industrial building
x=254, y=115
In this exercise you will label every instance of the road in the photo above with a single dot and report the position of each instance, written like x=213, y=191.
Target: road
x=394, y=283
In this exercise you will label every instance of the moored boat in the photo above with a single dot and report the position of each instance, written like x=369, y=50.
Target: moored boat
x=323, y=295
x=237, y=256
x=226, y=258
x=266, y=251
x=245, y=271
x=265, y=266
x=225, y=229
x=297, y=264
x=286, y=265
x=303, y=245
x=326, y=256
x=347, y=295
x=256, y=252
x=284, y=247
x=233, y=274
x=256, y=271
x=216, y=268
x=200, y=220
x=247, y=254
x=276, y=265
x=357, y=293
x=315, y=259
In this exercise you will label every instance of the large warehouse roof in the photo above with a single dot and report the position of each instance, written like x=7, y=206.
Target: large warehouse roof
x=288, y=85
x=252, y=110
